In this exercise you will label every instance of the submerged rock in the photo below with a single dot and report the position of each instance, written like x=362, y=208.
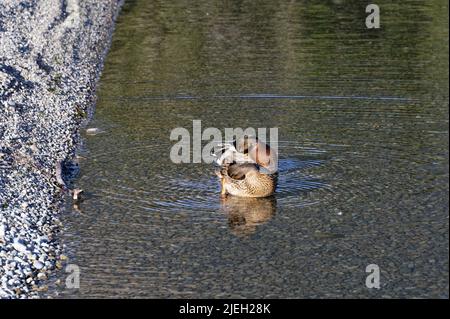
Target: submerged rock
x=93, y=131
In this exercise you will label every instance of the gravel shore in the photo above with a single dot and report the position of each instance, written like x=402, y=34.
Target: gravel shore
x=51, y=55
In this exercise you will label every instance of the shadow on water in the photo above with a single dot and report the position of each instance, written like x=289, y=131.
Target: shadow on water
x=362, y=117
x=246, y=214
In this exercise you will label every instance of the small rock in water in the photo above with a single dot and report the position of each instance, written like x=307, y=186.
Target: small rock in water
x=76, y=194
x=93, y=131
x=78, y=158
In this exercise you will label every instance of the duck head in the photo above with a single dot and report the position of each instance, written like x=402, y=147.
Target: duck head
x=258, y=152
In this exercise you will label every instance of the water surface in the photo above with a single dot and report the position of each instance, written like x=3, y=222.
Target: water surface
x=363, y=128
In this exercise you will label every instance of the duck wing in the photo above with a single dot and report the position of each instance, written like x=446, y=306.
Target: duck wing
x=239, y=170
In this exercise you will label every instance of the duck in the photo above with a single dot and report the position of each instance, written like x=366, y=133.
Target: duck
x=247, y=168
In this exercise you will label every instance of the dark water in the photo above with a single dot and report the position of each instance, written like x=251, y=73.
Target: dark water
x=363, y=128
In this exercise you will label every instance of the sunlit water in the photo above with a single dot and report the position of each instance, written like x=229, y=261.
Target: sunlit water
x=363, y=144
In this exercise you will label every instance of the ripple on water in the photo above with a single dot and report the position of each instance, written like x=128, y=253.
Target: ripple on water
x=194, y=188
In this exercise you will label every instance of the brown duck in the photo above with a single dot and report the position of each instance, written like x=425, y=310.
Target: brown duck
x=247, y=168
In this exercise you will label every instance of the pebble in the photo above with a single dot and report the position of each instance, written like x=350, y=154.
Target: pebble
x=41, y=276
x=38, y=265
x=20, y=247
x=2, y=232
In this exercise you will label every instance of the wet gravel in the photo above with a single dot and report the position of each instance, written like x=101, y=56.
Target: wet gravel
x=51, y=55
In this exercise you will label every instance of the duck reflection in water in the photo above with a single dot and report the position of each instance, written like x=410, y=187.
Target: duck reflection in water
x=246, y=214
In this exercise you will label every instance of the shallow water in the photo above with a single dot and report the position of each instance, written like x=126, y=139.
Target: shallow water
x=363, y=144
